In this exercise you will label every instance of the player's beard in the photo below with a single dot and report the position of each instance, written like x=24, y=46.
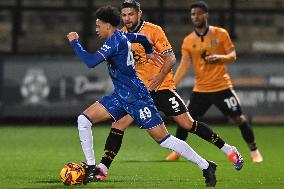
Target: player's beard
x=132, y=26
x=199, y=25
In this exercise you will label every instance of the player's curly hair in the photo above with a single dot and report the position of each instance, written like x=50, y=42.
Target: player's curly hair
x=199, y=4
x=109, y=14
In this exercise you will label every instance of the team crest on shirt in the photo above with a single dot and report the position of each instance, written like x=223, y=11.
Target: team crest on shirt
x=214, y=43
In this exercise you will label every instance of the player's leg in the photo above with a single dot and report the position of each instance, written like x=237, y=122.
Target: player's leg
x=161, y=135
x=198, y=105
x=205, y=132
x=147, y=117
x=113, y=144
x=227, y=101
x=185, y=121
x=106, y=108
x=94, y=113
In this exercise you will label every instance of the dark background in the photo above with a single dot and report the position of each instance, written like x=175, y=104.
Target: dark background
x=41, y=81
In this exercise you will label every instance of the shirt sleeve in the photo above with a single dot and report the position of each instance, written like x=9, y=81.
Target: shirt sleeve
x=185, y=48
x=109, y=48
x=228, y=44
x=142, y=39
x=161, y=42
x=91, y=60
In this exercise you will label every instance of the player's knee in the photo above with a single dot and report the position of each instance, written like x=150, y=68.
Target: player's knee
x=83, y=122
x=119, y=125
x=193, y=128
x=239, y=120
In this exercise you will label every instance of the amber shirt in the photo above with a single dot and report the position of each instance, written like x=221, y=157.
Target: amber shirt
x=208, y=77
x=144, y=68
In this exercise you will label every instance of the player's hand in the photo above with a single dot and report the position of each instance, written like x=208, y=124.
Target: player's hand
x=72, y=36
x=156, y=81
x=156, y=57
x=212, y=59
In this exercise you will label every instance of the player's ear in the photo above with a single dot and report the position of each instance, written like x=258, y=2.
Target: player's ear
x=206, y=15
x=109, y=26
x=140, y=14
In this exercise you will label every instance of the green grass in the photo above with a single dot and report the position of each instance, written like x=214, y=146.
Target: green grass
x=31, y=157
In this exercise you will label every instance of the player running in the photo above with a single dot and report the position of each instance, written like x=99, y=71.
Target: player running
x=209, y=49
x=159, y=80
x=130, y=95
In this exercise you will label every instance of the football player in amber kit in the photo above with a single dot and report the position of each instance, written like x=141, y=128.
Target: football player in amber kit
x=209, y=49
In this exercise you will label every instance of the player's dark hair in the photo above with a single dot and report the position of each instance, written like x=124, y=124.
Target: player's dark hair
x=131, y=4
x=109, y=14
x=199, y=4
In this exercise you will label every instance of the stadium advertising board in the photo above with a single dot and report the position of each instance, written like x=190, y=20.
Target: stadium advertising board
x=64, y=87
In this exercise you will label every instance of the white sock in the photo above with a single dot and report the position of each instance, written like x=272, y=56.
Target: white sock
x=86, y=138
x=103, y=167
x=184, y=150
x=227, y=149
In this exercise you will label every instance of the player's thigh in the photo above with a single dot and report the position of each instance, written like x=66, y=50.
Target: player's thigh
x=198, y=105
x=97, y=113
x=228, y=103
x=112, y=106
x=169, y=102
x=184, y=120
x=122, y=123
x=145, y=113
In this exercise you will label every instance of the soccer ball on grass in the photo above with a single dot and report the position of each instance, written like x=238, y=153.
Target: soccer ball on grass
x=73, y=173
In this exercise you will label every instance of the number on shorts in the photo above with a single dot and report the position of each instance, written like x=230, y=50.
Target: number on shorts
x=175, y=103
x=145, y=113
x=231, y=102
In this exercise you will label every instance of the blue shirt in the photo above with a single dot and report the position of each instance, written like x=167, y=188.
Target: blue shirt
x=117, y=52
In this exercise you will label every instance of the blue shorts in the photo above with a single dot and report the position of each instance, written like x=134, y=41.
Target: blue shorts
x=143, y=110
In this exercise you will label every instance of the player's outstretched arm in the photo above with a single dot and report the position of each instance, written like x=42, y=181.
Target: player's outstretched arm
x=91, y=60
x=148, y=46
x=142, y=39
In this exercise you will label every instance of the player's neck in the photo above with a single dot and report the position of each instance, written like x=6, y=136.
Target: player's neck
x=203, y=30
x=111, y=31
x=135, y=29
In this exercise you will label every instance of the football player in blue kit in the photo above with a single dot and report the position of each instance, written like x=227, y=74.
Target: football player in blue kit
x=130, y=95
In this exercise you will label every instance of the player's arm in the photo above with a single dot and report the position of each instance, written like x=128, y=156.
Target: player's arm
x=230, y=56
x=148, y=46
x=142, y=39
x=157, y=80
x=91, y=60
x=230, y=52
x=182, y=69
x=163, y=46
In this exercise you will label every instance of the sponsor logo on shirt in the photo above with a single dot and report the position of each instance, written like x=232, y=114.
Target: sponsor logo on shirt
x=105, y=47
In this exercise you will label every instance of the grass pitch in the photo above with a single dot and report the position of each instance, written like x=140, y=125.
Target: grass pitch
x=31, y=157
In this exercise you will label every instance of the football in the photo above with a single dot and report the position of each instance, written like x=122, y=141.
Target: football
x=72, y=173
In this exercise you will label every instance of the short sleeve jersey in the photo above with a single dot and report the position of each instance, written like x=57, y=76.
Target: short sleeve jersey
x=208, y=77
x=145, y=68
